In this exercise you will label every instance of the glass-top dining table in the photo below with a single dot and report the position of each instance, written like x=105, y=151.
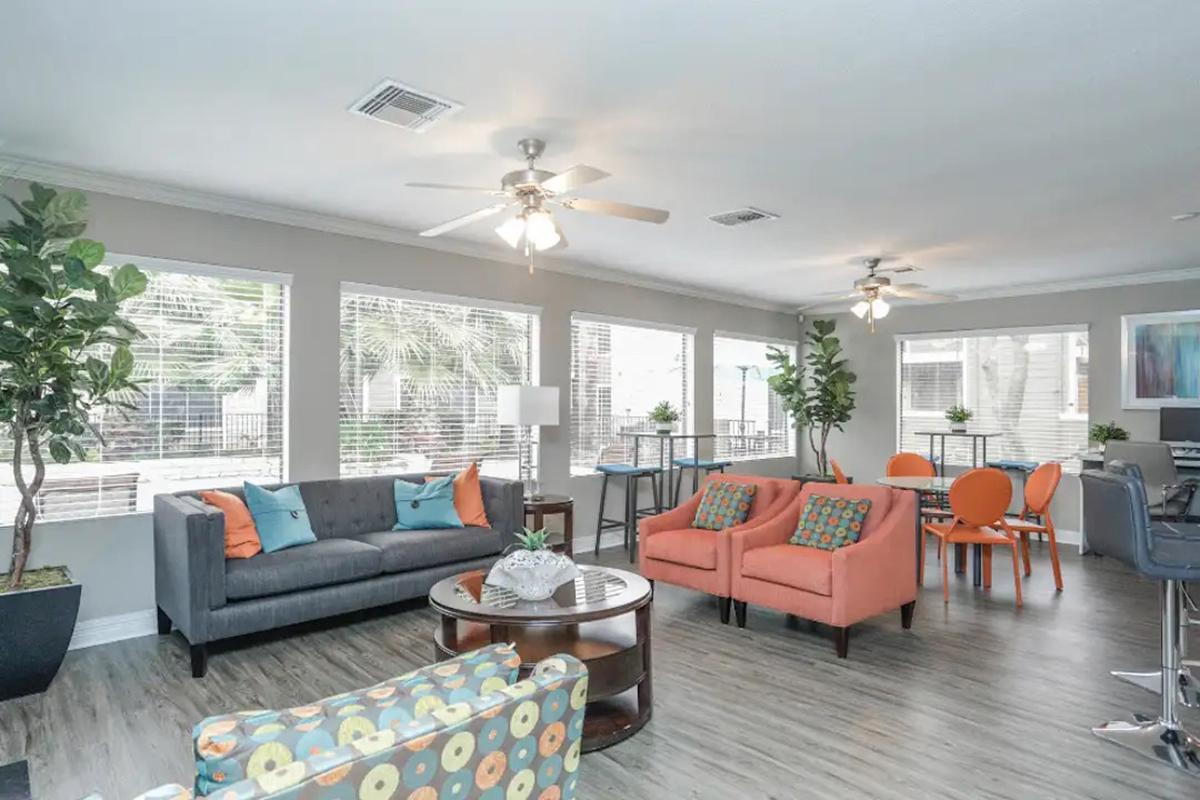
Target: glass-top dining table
x=938, y=487
x=666, y=455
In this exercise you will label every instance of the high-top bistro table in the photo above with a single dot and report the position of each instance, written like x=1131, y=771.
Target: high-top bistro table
x=941, y=487
x=667, y=439
x=975, y=437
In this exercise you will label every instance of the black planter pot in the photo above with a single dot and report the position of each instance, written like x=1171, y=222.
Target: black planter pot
x=35, y=630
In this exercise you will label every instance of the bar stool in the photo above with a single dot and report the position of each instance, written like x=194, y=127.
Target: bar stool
x=695, y=465
x=1117, y=519
x=1022, y=468
x=632, y=513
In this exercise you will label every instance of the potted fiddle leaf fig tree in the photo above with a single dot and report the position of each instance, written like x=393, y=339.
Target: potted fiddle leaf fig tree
x=818, y=394
x=64, y=353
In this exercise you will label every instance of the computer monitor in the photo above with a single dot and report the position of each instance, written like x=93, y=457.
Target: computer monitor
x=1179, y=424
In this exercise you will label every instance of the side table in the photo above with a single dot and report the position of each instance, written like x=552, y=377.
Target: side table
x=541, y=505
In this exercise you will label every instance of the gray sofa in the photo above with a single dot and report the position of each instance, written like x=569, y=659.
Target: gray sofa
x=357, y=562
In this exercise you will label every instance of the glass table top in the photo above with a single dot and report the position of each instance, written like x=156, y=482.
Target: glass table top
x=591, y=586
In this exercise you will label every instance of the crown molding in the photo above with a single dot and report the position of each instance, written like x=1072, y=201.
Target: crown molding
x=149, y=191
x=1053, y=287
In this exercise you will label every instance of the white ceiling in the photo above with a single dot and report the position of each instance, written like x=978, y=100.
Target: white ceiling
x=995, y=144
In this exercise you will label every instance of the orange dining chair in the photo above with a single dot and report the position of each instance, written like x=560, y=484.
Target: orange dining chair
x=909, y=465
x=1039, y=492
x=838, y=475
x=978, y=500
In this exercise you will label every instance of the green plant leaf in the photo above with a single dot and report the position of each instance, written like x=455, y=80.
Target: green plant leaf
x=30, y=268
x=128, y=281
x=13, y=341
x=64, y=209
x=121, y=363
x=89, y=252
x=59, y=451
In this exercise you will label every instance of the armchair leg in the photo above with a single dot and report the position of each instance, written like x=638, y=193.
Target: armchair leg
x=841, y=641
x=199, y=660
x=739, y=612
x=906, y=614
x=723, y=605
x=164, y=623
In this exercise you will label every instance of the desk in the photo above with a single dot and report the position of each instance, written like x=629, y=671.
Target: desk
x=666, y=441
x=939, y=486
x=973, y=436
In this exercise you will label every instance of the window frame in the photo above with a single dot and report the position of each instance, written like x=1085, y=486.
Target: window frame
x=776, y=341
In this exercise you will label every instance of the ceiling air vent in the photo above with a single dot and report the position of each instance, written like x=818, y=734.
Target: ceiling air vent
x=742, y=216
x=405, y=106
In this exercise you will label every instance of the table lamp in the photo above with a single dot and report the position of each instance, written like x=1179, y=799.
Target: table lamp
x=526, y=406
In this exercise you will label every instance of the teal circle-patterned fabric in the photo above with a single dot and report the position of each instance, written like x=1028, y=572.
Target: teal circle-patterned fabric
x=233, y=747
x=830, y=522
x=724, y=504
x=497, y=745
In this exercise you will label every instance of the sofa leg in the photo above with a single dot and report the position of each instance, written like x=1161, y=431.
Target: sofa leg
x=164, y=623
x=739, y=611
x=841, y=641
x=906, y=613
x=723, y=605
x=199, y=660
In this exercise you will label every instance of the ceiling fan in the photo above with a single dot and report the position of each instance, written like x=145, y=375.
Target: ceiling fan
x=871, y=290
x=531, y=190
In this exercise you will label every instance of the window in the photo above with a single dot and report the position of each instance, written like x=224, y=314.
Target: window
x=748, y=418
x=212, y=412
x=419, y=378
x=619, y=371
x=1028, y=385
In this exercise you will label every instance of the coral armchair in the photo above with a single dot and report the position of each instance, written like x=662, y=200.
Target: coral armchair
x=836, y=587
x=671, y=550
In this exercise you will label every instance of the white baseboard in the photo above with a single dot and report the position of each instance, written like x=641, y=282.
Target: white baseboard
x=102, y=630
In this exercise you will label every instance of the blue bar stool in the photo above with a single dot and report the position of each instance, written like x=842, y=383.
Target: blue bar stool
x=695, y=465
x=632, y=475
x=1024, y=469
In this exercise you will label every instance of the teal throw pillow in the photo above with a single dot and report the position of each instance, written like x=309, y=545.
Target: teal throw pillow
x=830, y=522
x=279, y=516
x=425, y=506
x=724, y=504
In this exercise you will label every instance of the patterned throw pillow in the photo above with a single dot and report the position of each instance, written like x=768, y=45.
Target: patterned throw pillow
x=723, y=505
x=830, y=522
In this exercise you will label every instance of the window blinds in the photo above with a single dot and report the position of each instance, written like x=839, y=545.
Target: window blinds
x=1028, y=385
x=212, y=414
x=419, y=381
x=748, y=418
x=619, y=371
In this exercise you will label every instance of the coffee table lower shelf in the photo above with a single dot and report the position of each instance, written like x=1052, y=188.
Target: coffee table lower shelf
x=616, y=652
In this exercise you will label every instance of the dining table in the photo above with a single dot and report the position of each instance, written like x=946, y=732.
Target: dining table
x=939, y=487
x=666, y=455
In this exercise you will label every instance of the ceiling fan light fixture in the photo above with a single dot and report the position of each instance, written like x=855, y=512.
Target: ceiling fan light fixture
x=860, y=308
x=880, y=308
x=540, y=230
x=511, y=231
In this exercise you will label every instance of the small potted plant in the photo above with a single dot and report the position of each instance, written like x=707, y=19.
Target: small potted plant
x=1104, y=432
x=532, y=570
x=958, y=416
x=664, y=416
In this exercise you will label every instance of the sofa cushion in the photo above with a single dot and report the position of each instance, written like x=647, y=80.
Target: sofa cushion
x=807, y=568
x=691, y=547
x=307, y=566
x=724, y=504
x=404, y=551
x=830, y=522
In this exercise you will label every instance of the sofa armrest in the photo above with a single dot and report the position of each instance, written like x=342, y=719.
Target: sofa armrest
x=189, y=562
x=773, y=529
x=880, y=572
x=546, y=708
x=504, y=504
x=672, y=520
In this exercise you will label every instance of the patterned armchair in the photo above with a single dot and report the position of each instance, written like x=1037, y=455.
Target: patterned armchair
x=464, y=728
x=671, y=550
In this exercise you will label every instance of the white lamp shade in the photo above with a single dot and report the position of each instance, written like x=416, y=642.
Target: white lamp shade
x=527, y=405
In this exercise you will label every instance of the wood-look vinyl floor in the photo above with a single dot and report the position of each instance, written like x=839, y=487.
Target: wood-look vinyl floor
x=978, y=700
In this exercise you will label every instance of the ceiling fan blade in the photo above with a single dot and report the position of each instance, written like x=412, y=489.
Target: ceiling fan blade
x=608, y=207
x=825, y=299
x=466, y=219
x=454, y=187
x=914, y=291
x=573, y=178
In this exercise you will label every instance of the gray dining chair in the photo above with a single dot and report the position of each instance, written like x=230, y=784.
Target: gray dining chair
x=1119, y=526
x=1169, y=497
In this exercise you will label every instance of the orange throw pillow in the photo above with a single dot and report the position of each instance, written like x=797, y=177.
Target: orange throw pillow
x=241, y=537
x=468, y=497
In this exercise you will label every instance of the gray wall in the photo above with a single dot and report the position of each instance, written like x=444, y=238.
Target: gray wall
x=111, y=557
x=871, y=436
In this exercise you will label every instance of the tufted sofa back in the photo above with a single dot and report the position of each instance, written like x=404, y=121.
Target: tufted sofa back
x=344, y=507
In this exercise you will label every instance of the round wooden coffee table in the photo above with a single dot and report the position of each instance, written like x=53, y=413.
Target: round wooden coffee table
x=602, y=618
